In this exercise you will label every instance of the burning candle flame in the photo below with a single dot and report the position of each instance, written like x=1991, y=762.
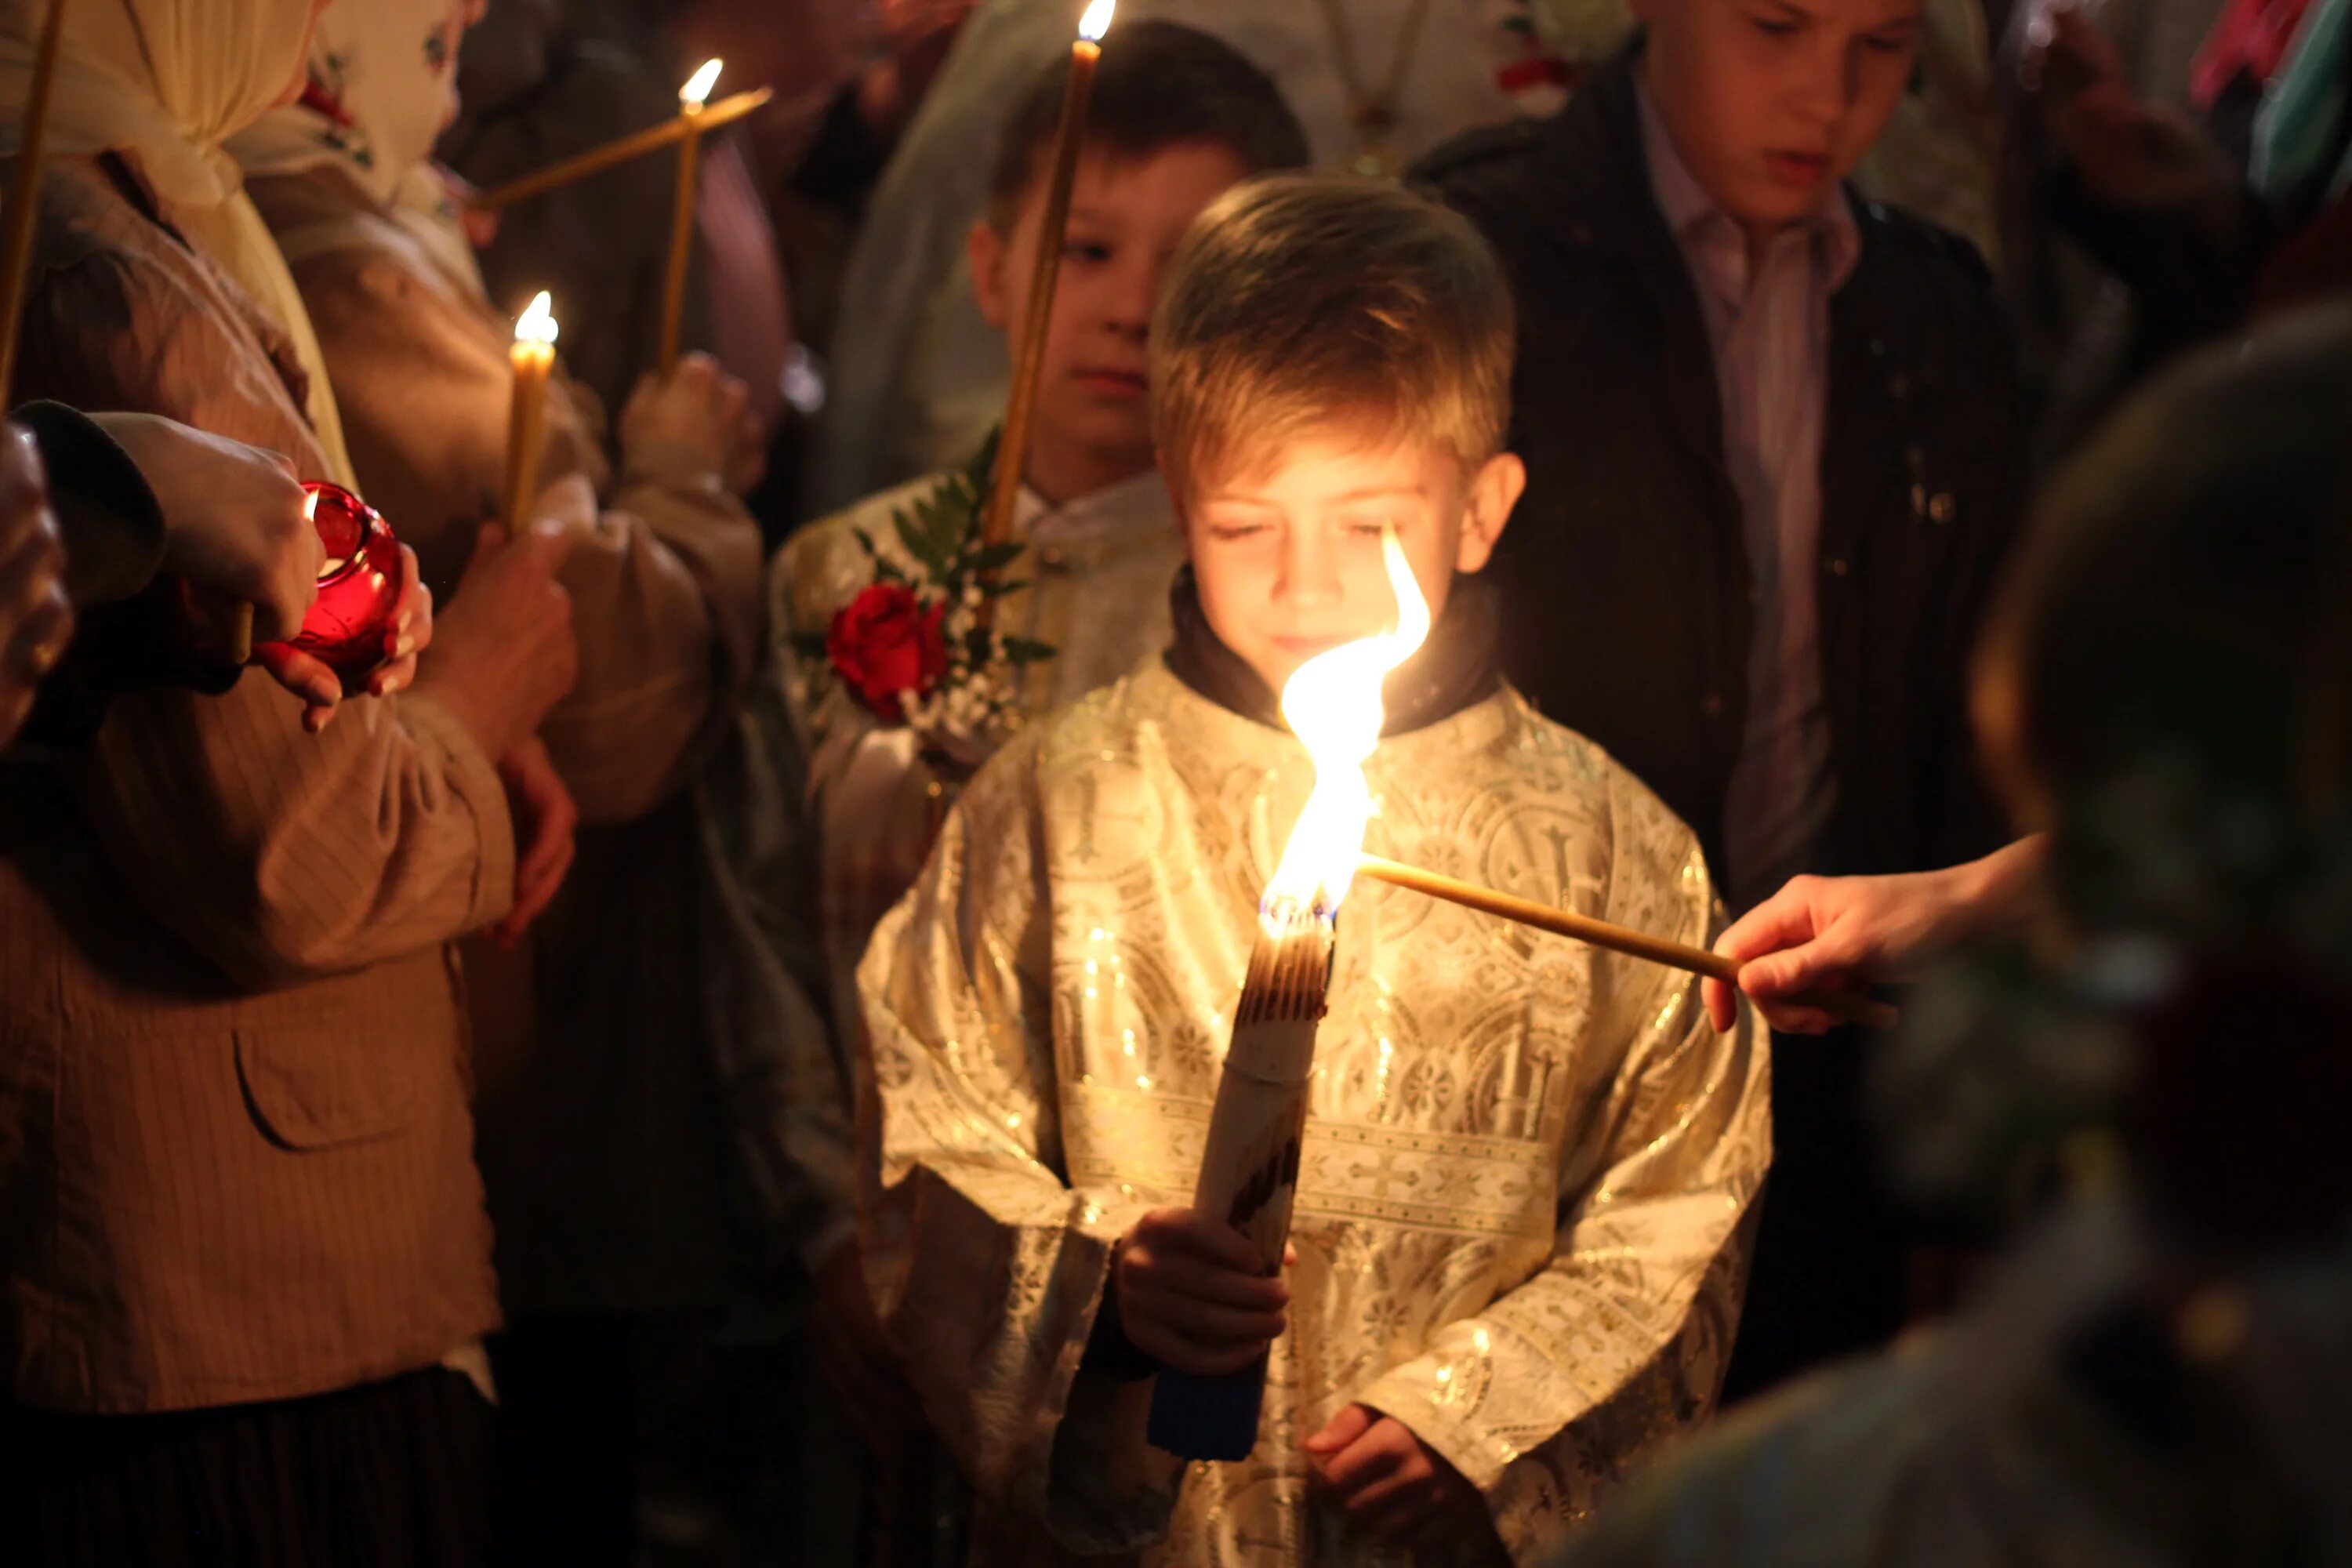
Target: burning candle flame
x=1333, y=704
x=696, y=91
x=537, y=323
x=1097, y=21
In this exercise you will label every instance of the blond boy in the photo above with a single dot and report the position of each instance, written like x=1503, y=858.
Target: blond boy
x=1519, y=1241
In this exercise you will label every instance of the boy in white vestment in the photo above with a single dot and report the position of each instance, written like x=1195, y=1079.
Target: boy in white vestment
x=1519, y=1233
x=1176, y=118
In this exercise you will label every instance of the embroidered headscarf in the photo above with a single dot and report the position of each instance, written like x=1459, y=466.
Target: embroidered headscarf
x=382, y=86
x=163, y=84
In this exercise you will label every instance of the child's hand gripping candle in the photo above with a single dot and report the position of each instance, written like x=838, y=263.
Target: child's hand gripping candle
x=1249, y=1170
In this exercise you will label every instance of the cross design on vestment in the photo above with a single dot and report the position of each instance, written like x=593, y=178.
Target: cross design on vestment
x=1520, y=1115
x=1381, y=1173
x=1559, y=838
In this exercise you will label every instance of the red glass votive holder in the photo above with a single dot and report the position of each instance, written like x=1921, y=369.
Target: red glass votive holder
x=362, y=575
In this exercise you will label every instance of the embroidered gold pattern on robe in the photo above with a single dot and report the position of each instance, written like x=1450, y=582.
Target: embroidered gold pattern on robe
x=1520, y=1215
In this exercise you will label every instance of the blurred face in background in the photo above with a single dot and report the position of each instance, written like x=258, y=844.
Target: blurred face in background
x=1771, y=102
x=1127, y=214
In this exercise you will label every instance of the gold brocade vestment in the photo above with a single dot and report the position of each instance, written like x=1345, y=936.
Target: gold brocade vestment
x=1520, y=1214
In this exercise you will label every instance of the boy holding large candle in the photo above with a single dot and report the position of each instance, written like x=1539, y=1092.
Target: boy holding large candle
x=1522, y=1192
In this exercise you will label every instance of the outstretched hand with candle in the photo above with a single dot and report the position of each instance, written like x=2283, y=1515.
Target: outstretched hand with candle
x=1394, y=1486
x=1844, y=934
x=1194, y=1295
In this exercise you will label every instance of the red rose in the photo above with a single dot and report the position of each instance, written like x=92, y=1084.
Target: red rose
x=885, y=643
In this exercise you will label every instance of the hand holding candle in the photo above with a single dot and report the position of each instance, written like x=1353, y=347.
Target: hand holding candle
x=690, y=100
x=1845, y=1007
x=533, y=357
x=1195, y=1294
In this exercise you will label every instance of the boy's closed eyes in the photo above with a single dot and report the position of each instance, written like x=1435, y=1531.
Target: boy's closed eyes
x=1286, y=550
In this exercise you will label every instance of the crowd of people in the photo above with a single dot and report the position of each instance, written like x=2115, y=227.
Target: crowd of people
x=698, y=1048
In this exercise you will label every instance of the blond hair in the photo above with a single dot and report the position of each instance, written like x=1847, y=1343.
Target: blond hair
x=1302, y=299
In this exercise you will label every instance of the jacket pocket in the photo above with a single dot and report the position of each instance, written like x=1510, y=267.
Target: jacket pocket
x=309, y=1090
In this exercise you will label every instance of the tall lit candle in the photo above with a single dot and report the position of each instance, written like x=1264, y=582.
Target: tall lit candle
x=1250, y=1166
x=690, y=100
x=1845, y=1007
x=533, y=356
x=23, y=183
x=1029, y=355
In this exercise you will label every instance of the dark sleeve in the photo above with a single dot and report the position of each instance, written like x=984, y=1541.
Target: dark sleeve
x=113, y=534
x=112, y=527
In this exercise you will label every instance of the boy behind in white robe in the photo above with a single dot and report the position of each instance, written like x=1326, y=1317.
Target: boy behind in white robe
x=1175, y=118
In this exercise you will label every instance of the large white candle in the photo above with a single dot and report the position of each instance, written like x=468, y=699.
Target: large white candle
x=1249, y=1170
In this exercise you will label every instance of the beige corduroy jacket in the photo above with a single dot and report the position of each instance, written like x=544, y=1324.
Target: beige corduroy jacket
x=235, y=1156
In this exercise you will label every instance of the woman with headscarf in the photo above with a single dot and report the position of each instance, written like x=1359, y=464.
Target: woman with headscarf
x=247, y=1267
x=599, y=1124
x=666, y=583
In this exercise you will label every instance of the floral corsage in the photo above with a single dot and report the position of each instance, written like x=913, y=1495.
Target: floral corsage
x=912, y=646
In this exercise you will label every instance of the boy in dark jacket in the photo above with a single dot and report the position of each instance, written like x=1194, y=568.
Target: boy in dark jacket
x=1773, y=461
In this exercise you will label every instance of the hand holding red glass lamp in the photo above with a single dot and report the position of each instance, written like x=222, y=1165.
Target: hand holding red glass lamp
x=362, y=575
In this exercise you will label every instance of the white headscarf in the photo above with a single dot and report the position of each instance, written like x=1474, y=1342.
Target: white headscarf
x=163, y=84
x=384, y=75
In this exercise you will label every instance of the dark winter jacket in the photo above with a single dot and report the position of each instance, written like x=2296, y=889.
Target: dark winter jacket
x=1624, y=574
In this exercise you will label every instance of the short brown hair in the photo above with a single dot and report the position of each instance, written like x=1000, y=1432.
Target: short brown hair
x=1158, y=85
x=1301, y=298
